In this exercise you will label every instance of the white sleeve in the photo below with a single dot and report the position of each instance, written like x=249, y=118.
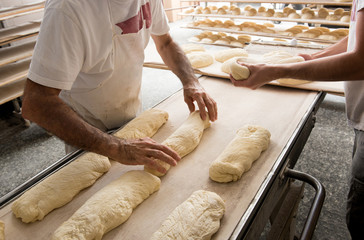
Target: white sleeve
x=59, y=52
x=159, y=19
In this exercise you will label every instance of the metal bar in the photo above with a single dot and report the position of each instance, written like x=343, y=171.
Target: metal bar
x=317, y=203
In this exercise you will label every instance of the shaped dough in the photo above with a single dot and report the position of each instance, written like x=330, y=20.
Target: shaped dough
x=240, y=153
x=238, y=71
x=200, y=59
x=185, y=139
x=109, y=207
x=144, y=125
x=60, y=188
x=223, y=55
x=196, y=218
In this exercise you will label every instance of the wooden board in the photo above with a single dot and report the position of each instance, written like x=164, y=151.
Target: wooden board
x=13, y=72
x=16, y=53
x=8, y=35
x=12, y=90
x=317, y=2
x=153, y=60
x=278, y=109
x=286, y=19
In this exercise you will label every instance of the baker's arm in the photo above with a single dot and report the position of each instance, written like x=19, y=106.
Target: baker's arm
x=43, y=106
x=174, y=57
x=337, y=48
x=345, y=66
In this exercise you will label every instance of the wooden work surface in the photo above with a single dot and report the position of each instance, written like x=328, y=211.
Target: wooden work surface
x=153, y=60
x=280, y=110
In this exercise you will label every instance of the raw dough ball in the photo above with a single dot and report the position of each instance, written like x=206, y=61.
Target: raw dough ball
x=274, y=56
x=200, y=59
x=345, y=18
x=240, y=154
x=187, y=48
x=223, y=55
x=185, y=139
x=109, y=207
x=238, y=71
x=225, y=67
x=60, y=188
x=196, y=218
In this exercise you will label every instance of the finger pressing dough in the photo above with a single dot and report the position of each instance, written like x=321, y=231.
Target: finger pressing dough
x=145, y=125
x=185, y=139
x=240, y=153
x=109, y=207
x=2, y=230
x=60, y=188
x=238, y=71
x=223, y=55
x=196, y=218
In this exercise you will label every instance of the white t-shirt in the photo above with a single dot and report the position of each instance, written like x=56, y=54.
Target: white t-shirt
x=94, y=51
x=354, y=90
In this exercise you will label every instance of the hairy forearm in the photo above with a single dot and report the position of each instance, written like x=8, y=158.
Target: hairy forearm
x=176, y=60
x=50, y=112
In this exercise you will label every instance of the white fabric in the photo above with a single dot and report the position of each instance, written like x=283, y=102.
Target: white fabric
x=94, y=51
x=354, y=90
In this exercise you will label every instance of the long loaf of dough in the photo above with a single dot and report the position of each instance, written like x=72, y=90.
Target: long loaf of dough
x=240, y=153
x=196, y=218
x=185, y=139
x=60, y=188
x=109, y=207
x=145, y=125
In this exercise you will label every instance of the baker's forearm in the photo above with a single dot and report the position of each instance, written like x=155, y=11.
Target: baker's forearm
x=51, y=113
x=340, y=67
x=334, y=49
x=176, y=60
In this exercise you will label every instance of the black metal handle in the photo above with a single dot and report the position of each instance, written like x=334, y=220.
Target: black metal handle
x=317, y=203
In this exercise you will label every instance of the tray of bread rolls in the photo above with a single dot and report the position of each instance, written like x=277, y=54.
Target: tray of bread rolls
x=212, y=60
x=337, y=17
x=95, y=196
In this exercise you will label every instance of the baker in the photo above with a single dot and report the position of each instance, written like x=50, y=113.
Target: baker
x=342, y=61
x=85, y=75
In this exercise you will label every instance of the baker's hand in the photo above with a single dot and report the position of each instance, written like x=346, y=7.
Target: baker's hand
x=145, y=151
x=193, y=91
x=259, y=75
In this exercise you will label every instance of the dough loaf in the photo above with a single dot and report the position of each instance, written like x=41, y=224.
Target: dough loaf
x=200, y=59
x=60, y=188
x=187, y=48
x=197, y=218
x=225, y=67
x=238, y=71
x=2, y=230
x=109, y=207
x=240, y=153
x=185, y=139
x=145, y=125
x=223, y=55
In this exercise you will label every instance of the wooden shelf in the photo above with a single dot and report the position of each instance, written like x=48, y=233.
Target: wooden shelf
x=13, y=72
x=6, y=13
x=12, y=91
x=8, y=35
x=314, y=21
x=16, y=53
x=261, y=34
x=317, y=2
